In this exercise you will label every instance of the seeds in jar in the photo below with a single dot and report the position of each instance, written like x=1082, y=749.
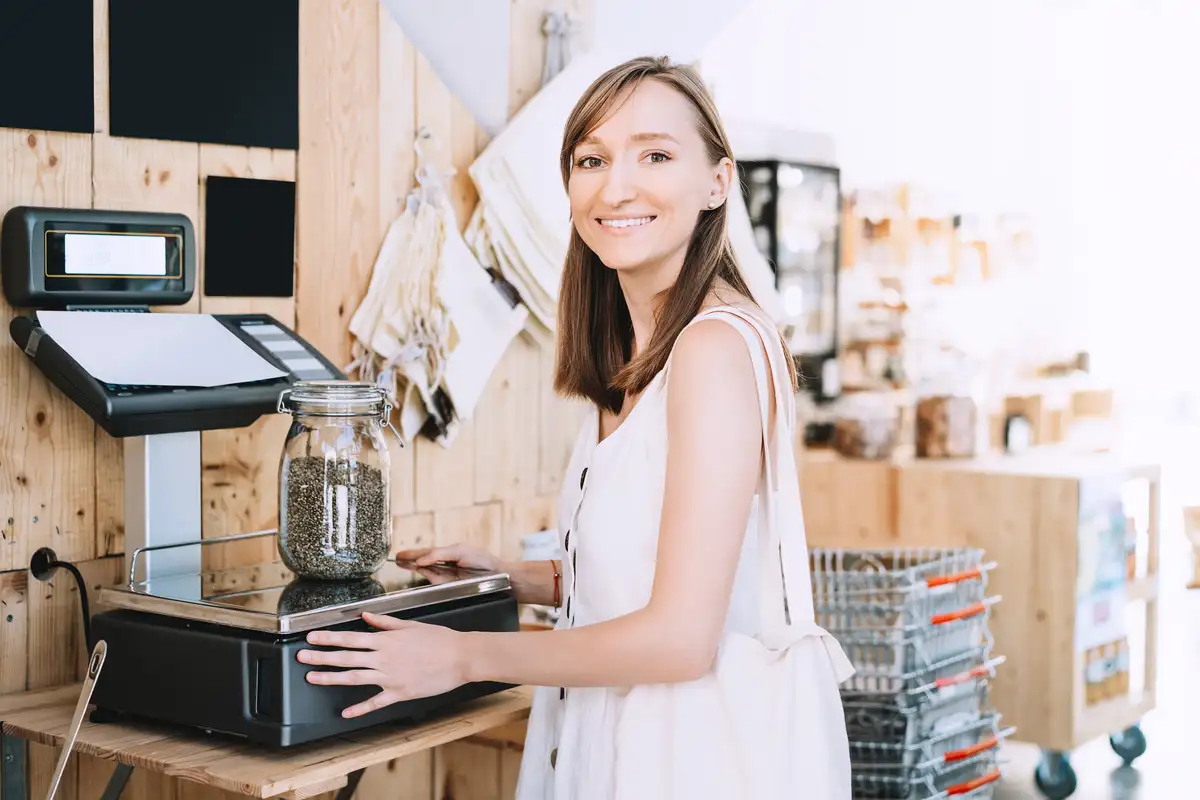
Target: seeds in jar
x=336, y=519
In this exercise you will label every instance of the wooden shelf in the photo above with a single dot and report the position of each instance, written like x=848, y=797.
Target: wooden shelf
x=43, y=718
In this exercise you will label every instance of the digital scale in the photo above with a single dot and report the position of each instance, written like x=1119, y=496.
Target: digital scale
x=181, y=645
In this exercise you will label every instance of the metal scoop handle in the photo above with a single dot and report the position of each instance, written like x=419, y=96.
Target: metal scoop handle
x=85, y=699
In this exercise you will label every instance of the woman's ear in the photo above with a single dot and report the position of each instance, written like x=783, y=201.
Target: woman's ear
x=722, y=182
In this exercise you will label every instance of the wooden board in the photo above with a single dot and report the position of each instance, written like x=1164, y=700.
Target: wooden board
x=239, y=471
x=445, y=474
x=397, y=162
x=250, y=770
x=337, y=168
x=847, y=502
x=47, y=495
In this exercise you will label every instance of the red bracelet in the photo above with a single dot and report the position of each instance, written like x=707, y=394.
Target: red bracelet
x=557, y=566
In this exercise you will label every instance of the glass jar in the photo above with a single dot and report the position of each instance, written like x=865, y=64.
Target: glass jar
x=335, y=520
x=867, y=426
x=948, y=422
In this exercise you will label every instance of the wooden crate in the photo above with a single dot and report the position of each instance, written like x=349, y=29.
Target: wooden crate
x=1033, y=515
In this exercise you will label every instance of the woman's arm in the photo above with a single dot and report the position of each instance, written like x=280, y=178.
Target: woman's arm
x=712, y=472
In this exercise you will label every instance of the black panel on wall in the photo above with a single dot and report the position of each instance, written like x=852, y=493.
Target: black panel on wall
x=249, y=237
x=216, y=71
x=46, y=65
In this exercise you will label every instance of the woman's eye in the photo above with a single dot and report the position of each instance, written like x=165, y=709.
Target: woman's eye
x=589, y=162
x=659, y=158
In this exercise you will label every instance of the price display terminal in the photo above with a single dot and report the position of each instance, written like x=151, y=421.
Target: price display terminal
x=93, y=291
x=83, y=283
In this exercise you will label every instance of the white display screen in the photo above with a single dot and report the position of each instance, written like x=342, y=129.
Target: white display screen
x=114, y=254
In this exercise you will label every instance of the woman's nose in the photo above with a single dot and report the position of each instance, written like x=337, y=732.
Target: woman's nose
x=620, y=185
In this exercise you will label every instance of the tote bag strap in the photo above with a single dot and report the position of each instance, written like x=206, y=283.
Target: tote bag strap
x=779, y=605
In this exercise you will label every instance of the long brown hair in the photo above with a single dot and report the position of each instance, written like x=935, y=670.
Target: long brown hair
x=595, y=335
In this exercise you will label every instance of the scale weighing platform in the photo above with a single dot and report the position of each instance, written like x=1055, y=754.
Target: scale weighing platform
x=225, y=656
x=181, y=647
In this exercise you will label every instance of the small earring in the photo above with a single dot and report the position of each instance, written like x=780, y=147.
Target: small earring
x=712, y=203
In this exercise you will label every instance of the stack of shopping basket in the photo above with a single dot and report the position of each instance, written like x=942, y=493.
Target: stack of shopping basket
x=914, y=622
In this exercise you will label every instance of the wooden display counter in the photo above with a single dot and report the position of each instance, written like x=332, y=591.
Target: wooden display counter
x=306, y=771
x=1076, y=540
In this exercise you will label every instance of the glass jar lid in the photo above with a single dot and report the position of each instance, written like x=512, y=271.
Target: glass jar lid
x=333, y=398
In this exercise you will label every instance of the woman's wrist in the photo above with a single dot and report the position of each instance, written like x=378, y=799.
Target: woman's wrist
x=535, y=582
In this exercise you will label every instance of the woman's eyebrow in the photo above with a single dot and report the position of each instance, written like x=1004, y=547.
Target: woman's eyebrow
x=637, y=137
x=653, y=136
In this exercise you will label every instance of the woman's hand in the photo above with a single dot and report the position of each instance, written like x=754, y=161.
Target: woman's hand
x=533, y=581
x=405, y=659
x=459, y=554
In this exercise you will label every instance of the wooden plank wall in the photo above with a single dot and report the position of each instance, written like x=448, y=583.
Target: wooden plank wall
x=364, y=90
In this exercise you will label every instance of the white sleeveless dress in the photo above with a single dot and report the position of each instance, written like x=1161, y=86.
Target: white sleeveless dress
x=766, y=722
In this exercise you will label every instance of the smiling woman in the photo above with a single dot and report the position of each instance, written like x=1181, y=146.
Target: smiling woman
x=687, y=662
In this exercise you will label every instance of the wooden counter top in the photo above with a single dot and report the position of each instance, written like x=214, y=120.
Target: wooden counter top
x=44, y=716
x=1050, y=461
x=1045, y=461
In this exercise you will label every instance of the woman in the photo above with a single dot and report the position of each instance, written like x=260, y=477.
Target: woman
x=686, y=662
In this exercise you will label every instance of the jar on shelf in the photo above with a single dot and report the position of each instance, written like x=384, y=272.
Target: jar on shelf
x=947, y=416
x=335, y=519
x=866, y=426
x=946, y=426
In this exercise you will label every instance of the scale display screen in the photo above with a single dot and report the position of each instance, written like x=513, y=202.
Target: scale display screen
x=77, y=253
x=114, y=254
x=78, y=257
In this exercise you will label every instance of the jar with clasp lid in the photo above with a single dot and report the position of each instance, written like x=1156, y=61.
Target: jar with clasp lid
x=335, y=519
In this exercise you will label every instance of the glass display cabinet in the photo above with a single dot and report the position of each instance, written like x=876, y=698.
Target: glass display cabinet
x=795, y=210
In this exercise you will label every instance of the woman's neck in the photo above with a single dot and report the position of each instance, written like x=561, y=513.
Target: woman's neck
x=643, y=289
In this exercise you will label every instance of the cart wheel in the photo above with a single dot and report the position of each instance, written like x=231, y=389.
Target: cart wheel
x=1054, y=776
x=1129, y=744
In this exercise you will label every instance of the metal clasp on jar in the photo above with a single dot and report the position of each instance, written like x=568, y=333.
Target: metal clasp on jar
x=385, y=420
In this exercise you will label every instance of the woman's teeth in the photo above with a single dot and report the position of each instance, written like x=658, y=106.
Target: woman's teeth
x=625, y=223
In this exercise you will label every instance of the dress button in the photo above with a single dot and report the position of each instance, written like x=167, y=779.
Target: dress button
x=554, y=758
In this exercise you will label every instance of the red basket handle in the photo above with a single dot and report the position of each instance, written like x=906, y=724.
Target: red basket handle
x=959, y=577
x=967, y=752
x=962, y=613
x=962, y=677
x=970, y=786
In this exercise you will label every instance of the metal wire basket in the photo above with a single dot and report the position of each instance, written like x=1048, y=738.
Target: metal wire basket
x=900, y=587
x=972, y=777
x=923, y=684
x=940, y=748
x=901, y=650
x=887, y=720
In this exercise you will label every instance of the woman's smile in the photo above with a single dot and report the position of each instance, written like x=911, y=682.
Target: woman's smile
x=623, y=226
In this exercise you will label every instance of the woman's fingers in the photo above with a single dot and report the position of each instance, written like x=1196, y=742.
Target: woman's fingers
x=412, y=554
x=349, y=677
x=337, y=658
x=449, y=553
x=352, y=639
x=384, y=698
x=384, y=622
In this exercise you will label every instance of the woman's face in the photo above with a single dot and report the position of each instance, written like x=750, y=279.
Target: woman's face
x=640, y=180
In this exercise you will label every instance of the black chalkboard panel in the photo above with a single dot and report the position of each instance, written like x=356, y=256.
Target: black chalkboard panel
x=46, y=62
x=217, y=71
x=249, y=236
